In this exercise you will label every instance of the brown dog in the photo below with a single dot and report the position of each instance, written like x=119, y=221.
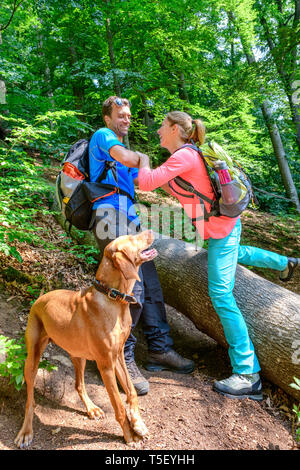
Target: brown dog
x=92, y=324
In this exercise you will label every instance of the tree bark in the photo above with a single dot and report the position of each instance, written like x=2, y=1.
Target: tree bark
x=3, y=90
x=271, y=312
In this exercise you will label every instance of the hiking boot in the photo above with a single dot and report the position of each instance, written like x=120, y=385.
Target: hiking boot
x=169, y=360
x=289, y=270
x=141, y=384
x=240, y=386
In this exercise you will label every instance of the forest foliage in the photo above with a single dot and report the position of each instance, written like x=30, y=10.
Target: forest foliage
x=233, y=63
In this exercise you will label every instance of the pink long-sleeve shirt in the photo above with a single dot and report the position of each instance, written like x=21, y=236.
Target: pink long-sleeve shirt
x=188, y=164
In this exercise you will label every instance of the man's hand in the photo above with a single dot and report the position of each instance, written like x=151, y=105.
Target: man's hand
x=144, y=160
x=140, y=154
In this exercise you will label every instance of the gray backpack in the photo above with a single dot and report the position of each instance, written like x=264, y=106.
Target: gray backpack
x=240, y=183
x=75, y=192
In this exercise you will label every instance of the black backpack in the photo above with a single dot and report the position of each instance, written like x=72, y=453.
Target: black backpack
x=74, y=191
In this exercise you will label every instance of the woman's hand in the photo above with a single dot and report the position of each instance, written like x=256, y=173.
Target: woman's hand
x=144, y=160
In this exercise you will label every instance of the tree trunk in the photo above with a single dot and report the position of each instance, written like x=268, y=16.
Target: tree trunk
x=286, y=68
x=78, y=87
x=276, y=140
x=271, y=312
x=280, y=155
x=3, y=91
x=111, y=53
x=15, y=6
x=274, y=133
x=146, y=114
x=183, y=94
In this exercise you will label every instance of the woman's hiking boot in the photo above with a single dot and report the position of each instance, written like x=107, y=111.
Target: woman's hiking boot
x=240, y=386
x=287, y=274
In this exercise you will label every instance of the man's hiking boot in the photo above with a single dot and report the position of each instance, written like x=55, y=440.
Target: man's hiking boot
x=169, y=360
x=240, y=386
x=141, y=384
x=287, y=274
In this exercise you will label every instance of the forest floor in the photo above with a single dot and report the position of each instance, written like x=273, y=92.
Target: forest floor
x=181, y=411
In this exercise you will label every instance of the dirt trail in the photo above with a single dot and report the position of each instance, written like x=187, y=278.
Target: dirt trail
x=181, y=411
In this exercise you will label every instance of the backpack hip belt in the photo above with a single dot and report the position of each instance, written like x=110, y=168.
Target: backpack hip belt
x=186, y=186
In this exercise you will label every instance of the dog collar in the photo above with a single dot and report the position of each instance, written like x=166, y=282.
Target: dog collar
x=114, y=294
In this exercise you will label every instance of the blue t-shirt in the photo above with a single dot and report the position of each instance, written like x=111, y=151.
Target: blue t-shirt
x=100, y=144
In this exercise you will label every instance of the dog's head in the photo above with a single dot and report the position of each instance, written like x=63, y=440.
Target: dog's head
x=128, y=252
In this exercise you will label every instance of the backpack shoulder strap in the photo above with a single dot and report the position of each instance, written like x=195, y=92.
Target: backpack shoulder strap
x=194, y=146
x=109, y=165
x=188, y=187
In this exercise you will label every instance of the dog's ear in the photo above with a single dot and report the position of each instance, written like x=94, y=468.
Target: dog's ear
x=125, y=263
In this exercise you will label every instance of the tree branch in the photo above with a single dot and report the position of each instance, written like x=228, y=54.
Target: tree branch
x=272, y=194
x=15, y=7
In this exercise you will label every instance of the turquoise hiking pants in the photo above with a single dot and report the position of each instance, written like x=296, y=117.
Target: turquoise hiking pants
x=223, y=256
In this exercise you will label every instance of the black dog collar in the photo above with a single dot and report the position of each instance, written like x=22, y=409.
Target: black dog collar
x=114, y=294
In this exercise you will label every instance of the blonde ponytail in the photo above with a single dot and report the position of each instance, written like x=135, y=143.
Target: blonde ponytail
x=189, y=129
x=198, y=132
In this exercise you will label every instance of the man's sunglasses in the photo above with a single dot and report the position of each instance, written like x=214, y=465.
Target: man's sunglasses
x=120, y=102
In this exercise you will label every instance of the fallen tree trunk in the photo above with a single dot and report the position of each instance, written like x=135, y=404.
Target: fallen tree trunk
x=271, y=312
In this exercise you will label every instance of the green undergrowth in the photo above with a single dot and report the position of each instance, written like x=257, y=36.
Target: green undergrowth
x=13, y=352
x=23, y=198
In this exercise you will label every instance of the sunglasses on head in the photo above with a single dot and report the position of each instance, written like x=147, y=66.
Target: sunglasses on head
x=120, y=102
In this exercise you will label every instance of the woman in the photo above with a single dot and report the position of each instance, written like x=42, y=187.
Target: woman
x=224, y=251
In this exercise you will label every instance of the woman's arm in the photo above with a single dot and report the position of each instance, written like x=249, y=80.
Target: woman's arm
x=180, y=162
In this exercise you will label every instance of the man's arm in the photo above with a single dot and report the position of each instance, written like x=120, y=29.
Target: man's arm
x=125, y=156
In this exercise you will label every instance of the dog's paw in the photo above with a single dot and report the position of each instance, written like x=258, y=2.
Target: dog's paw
x=138, y=424
x=136, y=442
x=140, y=428
x=24, y=439
x=95, y=413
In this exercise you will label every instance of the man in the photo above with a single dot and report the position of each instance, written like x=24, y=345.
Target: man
x=114, y=215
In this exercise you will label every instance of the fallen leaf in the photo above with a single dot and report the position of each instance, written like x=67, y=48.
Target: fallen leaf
x=55, y=431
